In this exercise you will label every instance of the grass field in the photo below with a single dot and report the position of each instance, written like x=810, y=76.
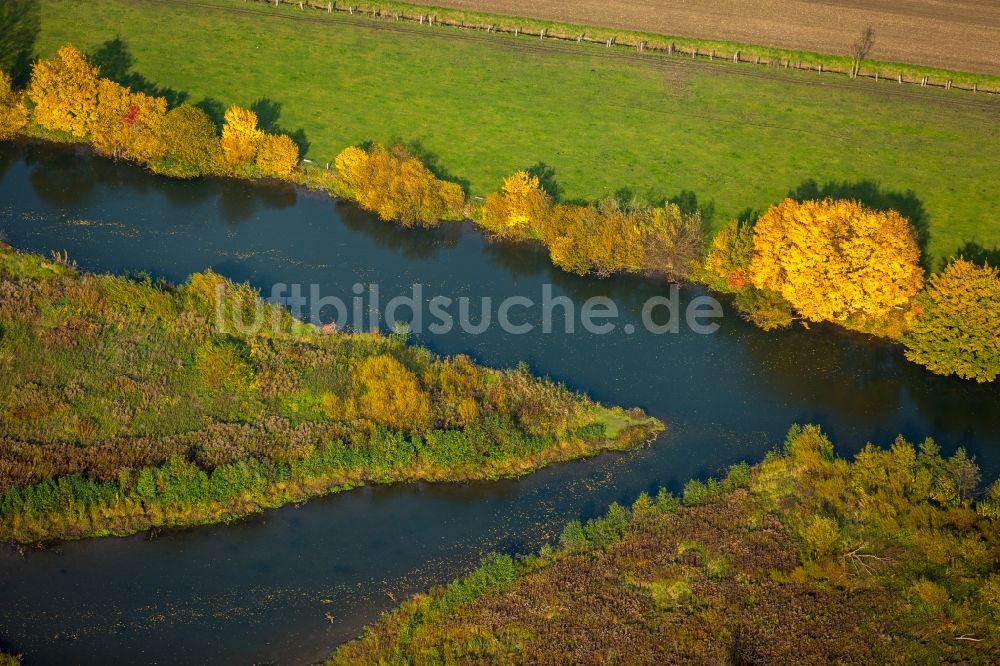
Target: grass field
x=960, y=34
x=484, y=105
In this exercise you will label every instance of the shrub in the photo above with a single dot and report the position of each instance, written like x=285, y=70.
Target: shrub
x=191, y=143
x=820, y=537
x=277, y=156
x=517, y=209
x=729, y=257
x=397, y=186
x=13, y=112
x=391, y=394
x=240, y=138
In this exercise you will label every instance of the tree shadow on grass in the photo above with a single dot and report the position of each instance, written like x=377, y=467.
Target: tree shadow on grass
x=976, y=253
x=20, y=23
x=874, y=196
x=430, y=159
x=116, y=61
x=268, y=111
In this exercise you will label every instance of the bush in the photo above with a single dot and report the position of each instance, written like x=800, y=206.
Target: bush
x=391, y=394
x=13, y=112
x=517, y=209
x=396, y=186
x=191, y=143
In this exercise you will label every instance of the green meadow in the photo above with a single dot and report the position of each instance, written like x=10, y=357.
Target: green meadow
x=483, y=105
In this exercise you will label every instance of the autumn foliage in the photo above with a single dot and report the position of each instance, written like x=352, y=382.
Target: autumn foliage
x=397, y=186
x=64, y=90
x=957, y=326
x=520, y=206
x=69, y=97
x=836, y=260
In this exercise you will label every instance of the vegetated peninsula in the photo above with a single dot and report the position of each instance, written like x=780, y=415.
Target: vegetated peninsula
x=126, y=406
x=804, y=558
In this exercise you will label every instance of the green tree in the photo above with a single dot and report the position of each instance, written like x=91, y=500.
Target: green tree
x=957, y=328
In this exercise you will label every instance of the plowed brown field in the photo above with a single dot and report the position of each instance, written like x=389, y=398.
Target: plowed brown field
x=954, y=34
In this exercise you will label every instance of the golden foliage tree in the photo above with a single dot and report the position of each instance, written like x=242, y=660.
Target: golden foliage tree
x=397, y=186
x=957, y=326
x=13, y=112
x=277, y=155
x=191, y=143
x=64, y=92
x=518, y=209
x=127, y=124
x=240, y=137
x=391, y=394
x=836, y=260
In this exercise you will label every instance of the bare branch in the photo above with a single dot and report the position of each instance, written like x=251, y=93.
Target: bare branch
x=861, y=48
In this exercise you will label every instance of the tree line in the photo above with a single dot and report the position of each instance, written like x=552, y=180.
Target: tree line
x=812, y=261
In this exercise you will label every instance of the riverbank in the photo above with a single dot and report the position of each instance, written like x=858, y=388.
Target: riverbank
x=803, y=557
x=646, y=122
x=130, y=404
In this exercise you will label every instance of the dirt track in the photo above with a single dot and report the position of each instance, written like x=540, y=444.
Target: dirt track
x=956, y=34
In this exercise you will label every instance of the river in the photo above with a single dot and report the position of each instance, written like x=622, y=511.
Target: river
x=289, y=585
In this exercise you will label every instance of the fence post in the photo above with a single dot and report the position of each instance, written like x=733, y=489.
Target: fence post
x=541, y=35
x=642, y=46
x=300, y=5
x=975, y=87
x=517, y=31
x=948, y=87
x=900, y=78
x=329, y=8
x=350, y=8
x=876, y=76
x=736, y=57
x=421, y=19
x=580, y=38
x=694, y=53
x=756, y=60
x=671, y=48
x=923, y=82
x=786, y=64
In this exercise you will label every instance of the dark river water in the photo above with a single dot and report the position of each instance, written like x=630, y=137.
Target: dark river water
x=263, y=590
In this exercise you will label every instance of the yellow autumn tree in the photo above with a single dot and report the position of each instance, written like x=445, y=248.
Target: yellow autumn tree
x=64, y=92
x=397, y=186
x=836, y=260
x=391, y=394
x=13, y=112
x=518, y=209
x=127, y=124
x=240, y=137
x=277, y=155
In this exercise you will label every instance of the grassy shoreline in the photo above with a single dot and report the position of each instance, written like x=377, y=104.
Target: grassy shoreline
x=126, y=407
x=803, y=557
x=658, y=127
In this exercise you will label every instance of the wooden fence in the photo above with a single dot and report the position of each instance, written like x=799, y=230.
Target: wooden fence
x=641, y=46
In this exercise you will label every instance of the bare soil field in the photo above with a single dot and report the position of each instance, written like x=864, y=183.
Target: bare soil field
x=954, y=34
